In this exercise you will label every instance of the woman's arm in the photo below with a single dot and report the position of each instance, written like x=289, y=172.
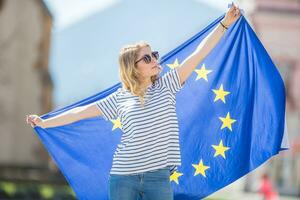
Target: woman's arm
x=67, y=117
x=203, y=49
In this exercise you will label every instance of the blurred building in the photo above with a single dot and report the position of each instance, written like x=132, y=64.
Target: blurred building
x=277, y=24
x=25, y=83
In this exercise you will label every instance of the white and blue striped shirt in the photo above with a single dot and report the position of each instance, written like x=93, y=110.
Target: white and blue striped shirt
x=150, y=138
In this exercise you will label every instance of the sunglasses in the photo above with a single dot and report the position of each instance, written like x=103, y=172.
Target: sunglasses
x=147, y=58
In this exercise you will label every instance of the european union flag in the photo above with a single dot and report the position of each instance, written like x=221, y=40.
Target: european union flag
x=231, y=114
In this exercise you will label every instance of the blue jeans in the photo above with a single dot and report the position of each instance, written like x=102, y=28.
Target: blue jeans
x=154, y=185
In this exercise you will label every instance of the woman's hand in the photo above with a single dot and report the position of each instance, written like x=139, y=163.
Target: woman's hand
x=232, y=15
x=34, y=120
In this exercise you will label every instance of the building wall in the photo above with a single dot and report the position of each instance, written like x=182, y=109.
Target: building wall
x=25, y=83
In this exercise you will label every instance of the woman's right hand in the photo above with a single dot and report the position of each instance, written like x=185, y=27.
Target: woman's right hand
x=232, y=15
x=34, y=120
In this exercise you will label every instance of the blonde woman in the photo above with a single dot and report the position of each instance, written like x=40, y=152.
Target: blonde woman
x=149, y=149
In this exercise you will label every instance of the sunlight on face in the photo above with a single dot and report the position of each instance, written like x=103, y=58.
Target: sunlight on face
x=147, y=69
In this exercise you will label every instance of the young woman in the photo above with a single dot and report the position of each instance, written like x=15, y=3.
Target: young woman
x=149, y=150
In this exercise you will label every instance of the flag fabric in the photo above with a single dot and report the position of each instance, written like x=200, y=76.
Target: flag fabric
x=231, y=115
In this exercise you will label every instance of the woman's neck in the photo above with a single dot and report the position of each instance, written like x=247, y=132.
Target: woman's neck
x=145, y=85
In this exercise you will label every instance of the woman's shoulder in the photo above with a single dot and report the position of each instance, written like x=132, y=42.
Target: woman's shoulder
x=123, y=92
x=120, y=91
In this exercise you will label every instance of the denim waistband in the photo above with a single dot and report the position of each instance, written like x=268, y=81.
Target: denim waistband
x=161, y=169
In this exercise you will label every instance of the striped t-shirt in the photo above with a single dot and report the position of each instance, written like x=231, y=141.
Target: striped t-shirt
x=150, y=138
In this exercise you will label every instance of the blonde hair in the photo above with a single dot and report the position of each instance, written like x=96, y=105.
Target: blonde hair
x=128, y=69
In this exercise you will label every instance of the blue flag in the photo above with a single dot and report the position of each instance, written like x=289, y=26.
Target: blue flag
x=231, y=114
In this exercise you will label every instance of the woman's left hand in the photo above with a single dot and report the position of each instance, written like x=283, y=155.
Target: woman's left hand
x=231, y=16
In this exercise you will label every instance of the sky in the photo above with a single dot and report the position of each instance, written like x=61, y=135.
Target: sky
x=73, y=58
x=78, y=9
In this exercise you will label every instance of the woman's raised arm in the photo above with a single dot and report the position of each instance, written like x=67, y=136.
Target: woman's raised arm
x=203, y=49
x=75, y=114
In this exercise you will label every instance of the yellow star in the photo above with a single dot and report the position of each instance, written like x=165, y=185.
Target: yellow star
x=220, y=94
x=227, y=121
x=220, y=149
x=200, y=168
x=202, y=73
x=174, y=65
x=175, y=176
x=117, y=123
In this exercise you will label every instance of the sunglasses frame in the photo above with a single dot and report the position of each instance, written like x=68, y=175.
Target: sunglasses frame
x=147, y=58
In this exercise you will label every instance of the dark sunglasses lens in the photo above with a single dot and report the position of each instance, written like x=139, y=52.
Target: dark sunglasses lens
x=155, y=54
x=147, y=59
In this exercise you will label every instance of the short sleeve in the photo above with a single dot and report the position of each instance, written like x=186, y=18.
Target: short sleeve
x=108, y=106
x=171, y=80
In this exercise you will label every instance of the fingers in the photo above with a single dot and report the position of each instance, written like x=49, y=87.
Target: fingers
x=232, y=7
x=237, y=13
x=31, y=119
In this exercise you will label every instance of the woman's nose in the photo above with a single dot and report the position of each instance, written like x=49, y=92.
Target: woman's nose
x=153, y=60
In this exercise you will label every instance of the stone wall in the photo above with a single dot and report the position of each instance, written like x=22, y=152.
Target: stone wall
x=25, y=84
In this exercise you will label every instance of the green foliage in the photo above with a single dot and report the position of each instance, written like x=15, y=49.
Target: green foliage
x=46, y=191
x=8, y=188
x=12, y=190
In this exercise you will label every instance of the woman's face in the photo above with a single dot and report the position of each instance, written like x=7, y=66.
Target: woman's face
x=147, y=70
